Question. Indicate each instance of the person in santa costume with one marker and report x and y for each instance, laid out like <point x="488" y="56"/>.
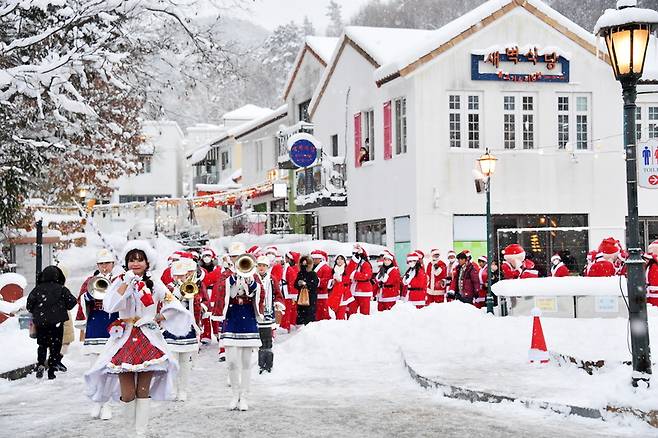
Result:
<point x="213" y="272"/>
<point x="389" y="282"/>
<point x="276" y="263"/>
<point x="359" y="271"/>
<point x="514" y="256"/>
<point x="481" y="298"/>
<point x="604" y="265"/>
<point x="465" y="283"/>
<point x="240" y="308"/>
<point x="186" y="347"/>
<point x="450" y="268"/>
<point x="166" y="277"/>
<point x="289" y="290"/>
<point x="136" y="363"/>
<point x="528" y="269"/>
<point x="325" y="274"/>
<point x="273" y="303"/>
<point x="591" y="255"/>
<point x="340" y="296"/>
<point x="437" y="272"/>
<point x="558" y="268"/>
<point x="93" y="321"/>
<point x="651" y="272"/>
<point x="620" y="262"/>
<point x="415" y="281"/>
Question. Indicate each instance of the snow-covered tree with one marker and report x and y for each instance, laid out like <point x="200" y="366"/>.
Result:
<point x="308" y="27"/>
<point x="335" y="27"/>
<point x="279" y="52"/>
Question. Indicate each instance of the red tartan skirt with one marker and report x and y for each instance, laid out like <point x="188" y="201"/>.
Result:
<point x="137" y="353"/>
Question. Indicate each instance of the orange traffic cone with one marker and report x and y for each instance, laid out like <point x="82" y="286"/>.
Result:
<point x="538" y="352"/>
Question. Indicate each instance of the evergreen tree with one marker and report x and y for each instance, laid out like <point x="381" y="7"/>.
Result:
<point x="307" y="26"/>
<point x="279" y="52"/>
<point x="335" y="27"/>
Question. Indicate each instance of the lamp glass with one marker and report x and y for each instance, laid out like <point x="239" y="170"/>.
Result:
<point x="627" y="49"/>
<point x="487" y="164"/>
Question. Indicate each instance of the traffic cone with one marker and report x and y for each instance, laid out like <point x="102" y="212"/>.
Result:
<point x="538" y="352"/>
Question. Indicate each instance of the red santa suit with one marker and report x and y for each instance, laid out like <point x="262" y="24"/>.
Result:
<point x="482" y="293"/>
<point x="289" y="291"/>
<point x="514" y="255"/>
<point x="558" y="268"/>
<point x="436" y="272"/>
<point x="359" y="271"/>
<point x="415" y="282"/>
<point x="601" y="268"/>
<point x="528" y="270"/>
<point x="651" y="273"/>
<point x="389" y="284"/>
<point x="325" y="274"/>
<point x="340" y="295"/>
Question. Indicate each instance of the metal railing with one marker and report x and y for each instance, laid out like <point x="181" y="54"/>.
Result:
<point x="259" y="223"/>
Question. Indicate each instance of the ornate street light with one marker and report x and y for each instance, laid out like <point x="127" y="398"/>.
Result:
<point x="626" y="31"/>
<point x="487" y="163"/>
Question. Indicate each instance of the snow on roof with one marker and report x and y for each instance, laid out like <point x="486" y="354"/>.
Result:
<point x="617" y="17"/>
<point x="474" y="18"/>
<point x="229" y="183"/>
<point x="265" y="120"/>
<point x="386" y="44"/>
<point x="246" y="112"/>
<point x="199" y="153"/>
<point x="323" y="46"/>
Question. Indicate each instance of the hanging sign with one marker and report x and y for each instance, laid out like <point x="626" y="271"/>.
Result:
<point x="514" y="64"/>
<point x="647" y="163"/>
<point x="303" y="149"/>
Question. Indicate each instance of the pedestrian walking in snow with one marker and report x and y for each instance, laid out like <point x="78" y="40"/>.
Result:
<point x="136" y="363"/>
<point x="436" y="271"/>
<point x="273" y="304"/>
<point x="307" y="285"/>
<point x="389" y="282"/>
<point x="359" y="271"/>
<point x="415" y="281"/>
<point x="465" y="281"/>
<point x="325" y="273"/>
<point x="49" y="303"/>
<point x="341" y="295"/>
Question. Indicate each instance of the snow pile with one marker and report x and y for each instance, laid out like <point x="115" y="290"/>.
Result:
<point x="18" y="349"/>
<point x="562" y="287"/>
<point x="12" y="278"/>
<point x="460" y="345"/>
<point x="11" y="308"/>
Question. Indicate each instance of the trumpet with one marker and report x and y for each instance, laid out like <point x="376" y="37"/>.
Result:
<point x="97" y="287"/>
<point x="189" y="289"/>
<point x="245" y="266"/>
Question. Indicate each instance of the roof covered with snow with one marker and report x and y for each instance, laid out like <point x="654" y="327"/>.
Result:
<point x="322" y="46"/>
<point x="247" y="112"/>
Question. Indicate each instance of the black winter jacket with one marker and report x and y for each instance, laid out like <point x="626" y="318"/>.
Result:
<point x="306" y="314"/>
<point x="50" y="301"/>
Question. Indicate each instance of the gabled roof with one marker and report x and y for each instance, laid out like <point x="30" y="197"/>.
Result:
<point x="246" y="112"/>
<point x="378" y="45"/>
<point x="458" y="30"/>
<point x="320" y="48"/>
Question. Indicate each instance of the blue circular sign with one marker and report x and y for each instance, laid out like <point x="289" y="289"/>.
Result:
<point x="303" y="153"/>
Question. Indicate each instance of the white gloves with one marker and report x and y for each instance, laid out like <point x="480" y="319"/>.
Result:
<point x="129" y="277"/>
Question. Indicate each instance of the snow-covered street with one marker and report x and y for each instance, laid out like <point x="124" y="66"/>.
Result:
<point x="317" y="389"/>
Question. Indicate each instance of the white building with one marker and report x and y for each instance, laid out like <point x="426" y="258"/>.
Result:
<point x="515" y="77"/>
<point x="162" y="159"/>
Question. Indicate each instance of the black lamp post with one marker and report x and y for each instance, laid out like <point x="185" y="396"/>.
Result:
<point x="487" y="163"/>
<point x="627" y="38"/>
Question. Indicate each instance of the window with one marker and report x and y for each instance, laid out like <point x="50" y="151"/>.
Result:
<point x="210" y="166"/>
<point x="145" y="160"/>
<point x="638" y="123"/>
<point x="259" y="155"/>
<point x="335" y="232"/>
<point x="464" y="107"/>
<point x="518" y="121"/>
<point x="653" y="122"/>
<point x="334" y="145"/>
<point x="225" y="161"/>
<point x="401" y="125"/>
<point x="372" y="232"/>
<point x="573" y="121"/>
<point x="303" y="111"/>
<point x="369" y="134"/>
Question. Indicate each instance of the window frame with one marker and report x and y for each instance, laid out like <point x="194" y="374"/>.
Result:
<point x="465" y="113"/>
<point x="400" y="126"/>
<point x="362" y="236"/>
<point x="368" y="132"/>
<point x="574" y="114"/>
<point x="519" y="114"/>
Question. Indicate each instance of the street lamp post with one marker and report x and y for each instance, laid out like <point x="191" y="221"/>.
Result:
<point x="626" y="31"/>
<point x="487" y="164"/>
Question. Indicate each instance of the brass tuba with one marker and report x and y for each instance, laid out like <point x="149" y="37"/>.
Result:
<point x="245" y="265"/>
<point x="189" y="289"/>
<point x="97" y="287"/>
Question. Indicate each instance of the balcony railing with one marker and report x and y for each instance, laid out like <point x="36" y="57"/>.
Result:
<point x="204" y="179"/>
<point x="271" y="223"/>
<point x="282" y="138"/>
<point x="322" y="185"/>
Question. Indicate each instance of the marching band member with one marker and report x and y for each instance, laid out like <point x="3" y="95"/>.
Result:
<point x="289" y="290"/>
<point x="166" y="278"/>
<point x="359" y="271"/>
<point x="340" y="296"/>
<point x="208" y="263"/>
<point x="558" y="268"/>
<point x="415" y="281"/>
<point x="437" y="271"/>
<point x="325" y="274"/>
<point x="192" y="295"/>
<point x="273" y="302"/>
<point x="136" y="363"/>
<point x="389" y="282"/>
<point x="93" y="321"/>
<point x="240" y="307"/>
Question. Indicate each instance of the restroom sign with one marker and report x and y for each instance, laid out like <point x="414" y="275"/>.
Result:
<point x="647" y="163"/>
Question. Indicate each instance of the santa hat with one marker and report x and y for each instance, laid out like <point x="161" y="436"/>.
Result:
<point x="514" y="252"/>
<point x="556" y="257"/>
<point x="179" y="268"/>
<point x="421" y="254"/>
<point x="208" y="252"/>
<point x="254" y="250"/>
<point x="236" y="249"/>
<point x="452" y="254"/>
<point x="482" y="259"/>
<point x="528" y="264"/>
<point x="468" y="254"/>
<point x="194" y="254"/>
<point x="413" y="257"/>
<point x="623" y="255"/>
<point x="319" y="254"/>
<point x="591" y="255"/>
<point x="435" y="252"/>
<point x="263" y="260"/>
<point x="272" y="250"/>
<point x="610" y="247"/>
<point x="294" y="256"/>
<point x="144" y="246"/>
<point x="104" y="256"/>
<point x="653" y="247"/>
<point x="358" y="248"/>
<point x="387" y="255"/>
<point x="190" y="264"/>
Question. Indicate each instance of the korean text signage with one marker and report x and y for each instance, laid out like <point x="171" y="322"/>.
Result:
<point x="303" y="149"/>
<point x="514" y="64"/>
<point x="647" y="163"/>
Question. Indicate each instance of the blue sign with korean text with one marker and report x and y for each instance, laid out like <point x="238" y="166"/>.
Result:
<point x="514" y="65"/>
<point x="303" y="153"/>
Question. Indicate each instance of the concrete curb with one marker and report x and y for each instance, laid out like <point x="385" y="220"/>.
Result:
<point x="18" y="373"/>
<point x="472" y="396"/>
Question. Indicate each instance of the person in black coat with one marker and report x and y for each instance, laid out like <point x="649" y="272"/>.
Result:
<point x="309" y="279"/>
<point x="49" y="303"/>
